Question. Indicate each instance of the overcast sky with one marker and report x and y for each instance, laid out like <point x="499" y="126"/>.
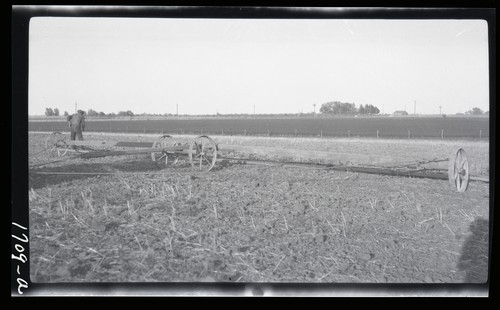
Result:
<point x="207" y="66"/>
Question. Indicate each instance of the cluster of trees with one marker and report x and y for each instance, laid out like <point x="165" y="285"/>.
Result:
<point x="52" y="112"/>
<point x="476" y="111"/>
<point x="346" y="108"/>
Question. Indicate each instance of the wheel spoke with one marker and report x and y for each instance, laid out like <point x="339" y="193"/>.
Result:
<point x="55" y="143"/>
<point x="458" y="170"/>
<point x="208" y="161"/>
<point x="162" y="142"/>
<point x="462" y="164"/>
<point x="202" y="153"/>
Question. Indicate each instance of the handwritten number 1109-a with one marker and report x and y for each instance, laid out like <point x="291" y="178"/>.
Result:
<point x="20" y="257"/>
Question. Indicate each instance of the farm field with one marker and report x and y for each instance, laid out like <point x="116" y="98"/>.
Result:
<point x="127" y="218"/>
<point x="388" y="127"/>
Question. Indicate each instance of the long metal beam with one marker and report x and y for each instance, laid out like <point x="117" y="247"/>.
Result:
<point x="95" y="143"/>
<point x="424" y="173"/>
<point x="176" y="149"/>
<point x="332" y="157"/>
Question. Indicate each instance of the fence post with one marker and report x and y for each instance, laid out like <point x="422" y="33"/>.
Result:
<point x="409" y="134"/>
<point x="377" y="134"/>
<point x="245" y="132"/>
<point x="295" y="132"/>
<point x="480" y="134"/>
<point x="222" y="131"/>
<point x="321" y="133"/>
<point x="442" y="133"/>
<point x="348" y="133"/>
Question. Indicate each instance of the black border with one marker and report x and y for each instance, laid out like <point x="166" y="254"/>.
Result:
<point x="19" y="133"/>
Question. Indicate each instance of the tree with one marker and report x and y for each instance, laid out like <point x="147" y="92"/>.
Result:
<point x="370" y="109"/>
<point x="125" y="113"/>
<point x="56" y="112"/>
<point x="66" y="113"/>
<point x="474" y="111"/>
<point x="49" y="112"/>
<point x="361" y="110"/>
<point x="326" y="108"/>
<point x="346" y="108"/>
<point x="337" y="107"/>
<point x="91" y="112"/>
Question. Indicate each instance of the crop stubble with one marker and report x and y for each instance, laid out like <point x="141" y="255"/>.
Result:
<point x="253" y="223"/>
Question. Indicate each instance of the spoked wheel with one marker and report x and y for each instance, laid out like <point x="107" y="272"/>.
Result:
<point x="203" y="153"/>
<point x="168" y="157"/>
<point x="458" y="170"/>
<point x="56" y="144"/>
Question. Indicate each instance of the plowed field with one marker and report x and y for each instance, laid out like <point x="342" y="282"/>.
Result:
<point x="127" y="218"/>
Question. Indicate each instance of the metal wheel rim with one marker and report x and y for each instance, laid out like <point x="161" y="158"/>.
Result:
<point x="163" y="141"/>
<point x="56" y="144"/>
<point x="203" y="153"/>
<point x="458" y="171"/>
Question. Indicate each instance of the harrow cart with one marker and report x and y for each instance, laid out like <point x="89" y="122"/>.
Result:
<point x="202" y="151"/>
<point x="203" y="154"/>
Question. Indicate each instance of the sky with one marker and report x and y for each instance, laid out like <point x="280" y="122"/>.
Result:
<point x="226" y="66"/>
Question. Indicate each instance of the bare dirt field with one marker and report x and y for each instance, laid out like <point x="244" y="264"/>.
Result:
<point x="127" y="218"/>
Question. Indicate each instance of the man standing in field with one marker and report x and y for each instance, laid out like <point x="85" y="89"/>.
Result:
<point x="76" y="123"/>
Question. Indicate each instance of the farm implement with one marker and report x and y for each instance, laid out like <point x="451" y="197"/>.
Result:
<point x="203" y="153"/>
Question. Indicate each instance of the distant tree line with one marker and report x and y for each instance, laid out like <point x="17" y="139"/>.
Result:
<point x="94" y="113"/>
<point x="346" y="108"/>
<point x="328" y="108"/>
<point x="90" y="112"/>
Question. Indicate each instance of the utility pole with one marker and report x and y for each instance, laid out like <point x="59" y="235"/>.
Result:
<point x="314" y="105"/>
<point x="415" y="107"/>
<point x="75" y="107"/>
<point x="254" y="109"/>
<point x="177" y="109"/>
<point x="439" y="109"/>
